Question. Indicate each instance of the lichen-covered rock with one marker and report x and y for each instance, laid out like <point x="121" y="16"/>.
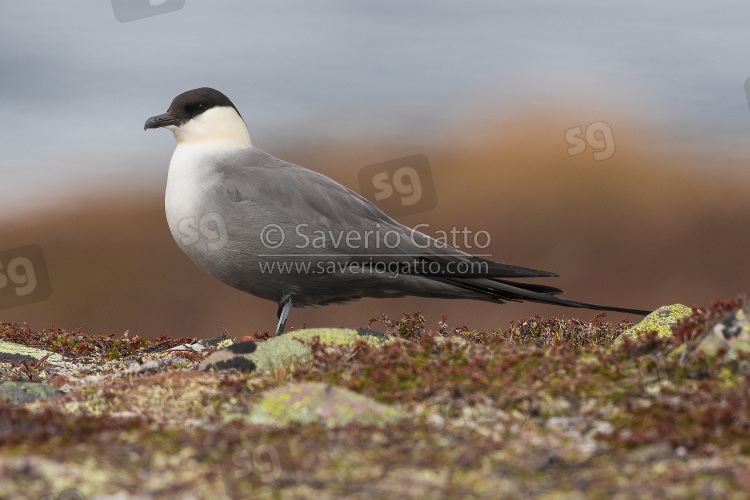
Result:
<point x="660" y="320"/>
<point x="19" y="391"/>
<point x="456" y="340"/>
<point x="9" y="350"/>
<point x="317" y="402"/>
<point x="232" y="357"/>
<point x="732" y="334"/>
<point x="285" y="350"/>
<point x="220" y="341"/>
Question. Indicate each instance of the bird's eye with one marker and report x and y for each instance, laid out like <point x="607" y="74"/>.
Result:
<point x="195" y="107"/>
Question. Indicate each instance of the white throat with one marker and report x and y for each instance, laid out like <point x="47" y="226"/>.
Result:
<point x="220" y="126"/>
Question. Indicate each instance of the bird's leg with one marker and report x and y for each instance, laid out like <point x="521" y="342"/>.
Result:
<point x="282" y="312"/>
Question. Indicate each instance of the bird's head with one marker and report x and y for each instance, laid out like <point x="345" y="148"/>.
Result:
<point x="203" y="115"/>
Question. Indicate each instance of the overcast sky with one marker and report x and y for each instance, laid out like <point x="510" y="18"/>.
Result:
<point x="76" y="85"/>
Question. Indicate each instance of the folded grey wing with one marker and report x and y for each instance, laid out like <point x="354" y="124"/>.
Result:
<point x="306" y="204"/>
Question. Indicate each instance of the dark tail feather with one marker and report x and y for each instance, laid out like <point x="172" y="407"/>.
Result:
<point x="503" y="291"/>
<point x="576" y="303"/>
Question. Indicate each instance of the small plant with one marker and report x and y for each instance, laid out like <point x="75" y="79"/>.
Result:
<point x="410" y="327"/>
<point x="29" y="368"/>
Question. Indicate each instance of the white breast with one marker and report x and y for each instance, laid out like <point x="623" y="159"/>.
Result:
<point x="202" y="142"/>
<point x="192" y="174"/>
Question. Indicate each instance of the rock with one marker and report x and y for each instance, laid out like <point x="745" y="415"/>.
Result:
<point x="455" y="340"/>
<point x="194" y="347"/>
<point x="285" y="350"/>
<point x="732" y="334"/>
<point x="179" y="362"/>
<point x="317" y="402"/>
<point x="242" y="347"/>
<point x="70" y="494"/>
<point x="231" y="358"/>
<point x="225" y="360"/>
<point x="19" y="391"/>
<point x="215" y="341"/>
<point x="13" y="357"/>
<point x="148" y="366"/>
<point x="733" y="328"/>
<point x="11" y="348"/>
<point x="367" y="331"/>
<point x="202" y="344"/>
<point x="660" y="320"/>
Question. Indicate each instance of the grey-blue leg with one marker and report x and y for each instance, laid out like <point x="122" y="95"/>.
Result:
<point x="282" y="312"/>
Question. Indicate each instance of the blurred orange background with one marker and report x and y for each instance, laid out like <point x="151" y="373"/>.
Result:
<point x="652" y="225"/>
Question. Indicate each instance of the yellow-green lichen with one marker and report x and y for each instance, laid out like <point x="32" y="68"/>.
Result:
<point x="285" y="350"/>
<point x="660" y="320"/>
<point x="316" y="402"/>
<point x="224" y="343"/>
<point x="13" y="348"/>
<point x="21" y="391"/>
